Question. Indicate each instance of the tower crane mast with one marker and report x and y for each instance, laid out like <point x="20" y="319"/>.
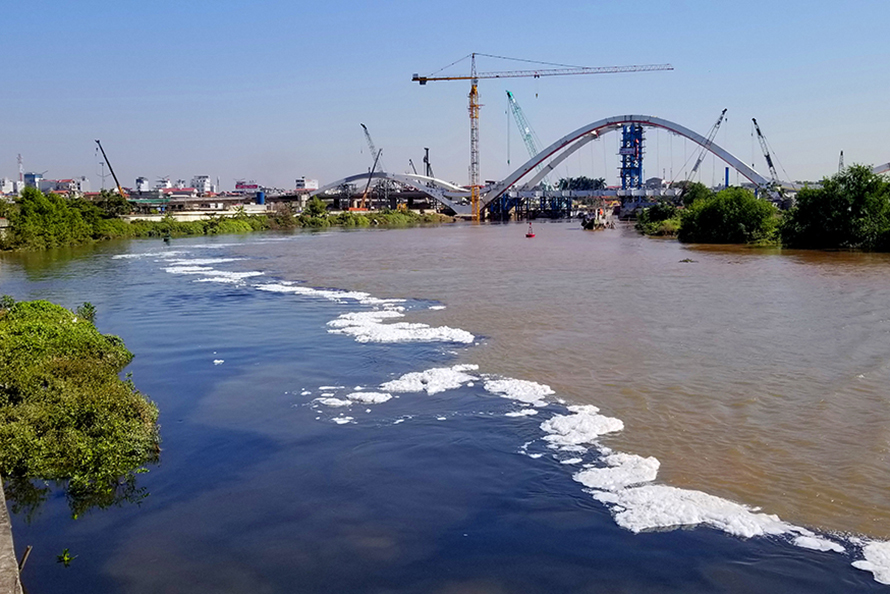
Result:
<point x="474" y="106"/>
<point x="710" y="140"/>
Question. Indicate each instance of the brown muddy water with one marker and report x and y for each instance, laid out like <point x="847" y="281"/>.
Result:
<point x="758" y="375"/>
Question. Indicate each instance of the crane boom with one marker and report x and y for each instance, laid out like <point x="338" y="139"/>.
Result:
<point x="117" y="183"/>
<point x="547" y="72"/>
<point x="371" y="146"/>
<point x="474" y="77"/>
<point x="710" y="140"/>
<point x="525" y="130"/>
<point x="769" y="160"/>
<point x="370" y="175"/>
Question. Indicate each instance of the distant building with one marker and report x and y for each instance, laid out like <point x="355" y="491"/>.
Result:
<point x="142" y="185"/>
<point x="179" y="193"/>
<point x="8" y="186"/>
<point x="247" y="187"/>
<point x="163" y="183"/>
<point x="75" y="186"/>
<point x="307" y="184"/>
<point x="32" y="180"/>
<point x="203" y="185"/>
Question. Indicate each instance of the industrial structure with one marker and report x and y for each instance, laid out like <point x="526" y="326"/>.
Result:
<point x="474" y="77"/>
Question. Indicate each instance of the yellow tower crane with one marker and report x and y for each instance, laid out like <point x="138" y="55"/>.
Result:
<point x="474" y="107"/>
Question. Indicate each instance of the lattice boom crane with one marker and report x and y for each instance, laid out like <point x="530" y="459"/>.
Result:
<point x="711" y="136"/>
<point x="474" y="77"/>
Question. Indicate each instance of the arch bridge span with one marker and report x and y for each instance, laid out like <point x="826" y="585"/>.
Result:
<point x="442" y="191"/>
<point x="573" y="141"/>
<point x="455" y="197"/>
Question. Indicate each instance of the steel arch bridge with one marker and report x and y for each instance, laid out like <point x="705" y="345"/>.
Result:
<point x="455" y="197"/>
<point x="442" y="191"/>
<point x="573" y="141"/>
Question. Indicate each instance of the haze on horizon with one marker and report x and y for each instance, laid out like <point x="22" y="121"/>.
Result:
<point x="273" y="90"/>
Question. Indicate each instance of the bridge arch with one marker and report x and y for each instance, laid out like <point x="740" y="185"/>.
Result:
<point x="440" y="190"/>
<point x="575" y="140"/>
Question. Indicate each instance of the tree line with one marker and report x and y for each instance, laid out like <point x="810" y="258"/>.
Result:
<point x="41" y="221"/>
<point x="851" y="210"/>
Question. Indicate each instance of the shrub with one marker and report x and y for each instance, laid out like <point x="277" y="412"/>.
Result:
<point x="850" y="210"/>
<point x="65" y="415"/>
<point x="733" y="215"/>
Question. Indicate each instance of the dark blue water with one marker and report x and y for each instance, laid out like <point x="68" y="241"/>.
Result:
<point x="259" y="490"/>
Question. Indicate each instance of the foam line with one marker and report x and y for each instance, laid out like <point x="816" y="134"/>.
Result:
<point x="521" y="390"/>
<point x="432" y="381"/>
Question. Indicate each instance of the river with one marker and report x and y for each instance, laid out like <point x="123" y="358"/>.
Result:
<point x="732" y="385"/>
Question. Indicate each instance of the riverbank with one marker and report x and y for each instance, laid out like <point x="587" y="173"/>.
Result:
<point x="40" y="221"/>
<point x="9" y="567"/>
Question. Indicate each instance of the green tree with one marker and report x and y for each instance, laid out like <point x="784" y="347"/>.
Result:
<point x="581" y="183"/>
<point x="44" y="221"/>
<point x="113" y="204"/>
<point x="316" y="207"/>
<point x="850" y="210"/>
<point x="692" y="191"/>
<point x="661" y="219"/>
<point x="733" y="215"/>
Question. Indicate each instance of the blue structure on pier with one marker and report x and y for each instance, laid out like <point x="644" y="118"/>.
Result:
<point x="631" y="153"/>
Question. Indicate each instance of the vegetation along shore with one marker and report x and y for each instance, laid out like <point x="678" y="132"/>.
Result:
<point x="41" y="221"/>
<point x="851" y="210"/>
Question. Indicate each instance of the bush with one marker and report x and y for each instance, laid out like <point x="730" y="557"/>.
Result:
<point x="65" y="415"/>
<point x="733" y="215"/>
<point x="662" y="219"/>
<point x="850" y="210"/>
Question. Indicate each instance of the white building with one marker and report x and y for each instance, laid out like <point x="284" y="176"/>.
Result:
<point x="203" y="185"/>
<point x="79" y="185"/>
<point x="142" y="185"/>
<point x="163" y="183"/>
<point x="307" y="184"/>
<point x="8" y="186"/>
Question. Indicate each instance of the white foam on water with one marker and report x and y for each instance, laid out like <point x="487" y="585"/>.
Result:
<point x="440" y="418"/>
<point x="202" y="261"/>
<point x="437" y="307"/>
<point x="332" y="402"/>
<point x="660" y="506"/>
<point x="211" y="246"/>
<point x="305" y="393"/>
<point x="571" y="461"/>
<point x="369" y="397"/>
<point x="369" y="326"/>
<point x="522" y="390"/>
<point x="432" y="381"/>
<point x="525" y="412"/>
<point x="330" y="294"/>
<point x="218" y="361"/>
<point x="623" y="470"/>
<point x="220" y="276"/>
<point x="877" y="561"/>
<point x="331" y="387"/>
<point x="584" y="426"/>
<point x="342" y="420"/>
<point x="170" y="254"/>
<point x="189" y="269"/>
<point x="818" y="544"/>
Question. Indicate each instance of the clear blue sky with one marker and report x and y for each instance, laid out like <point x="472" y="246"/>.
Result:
<point x="273" y="90"/>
